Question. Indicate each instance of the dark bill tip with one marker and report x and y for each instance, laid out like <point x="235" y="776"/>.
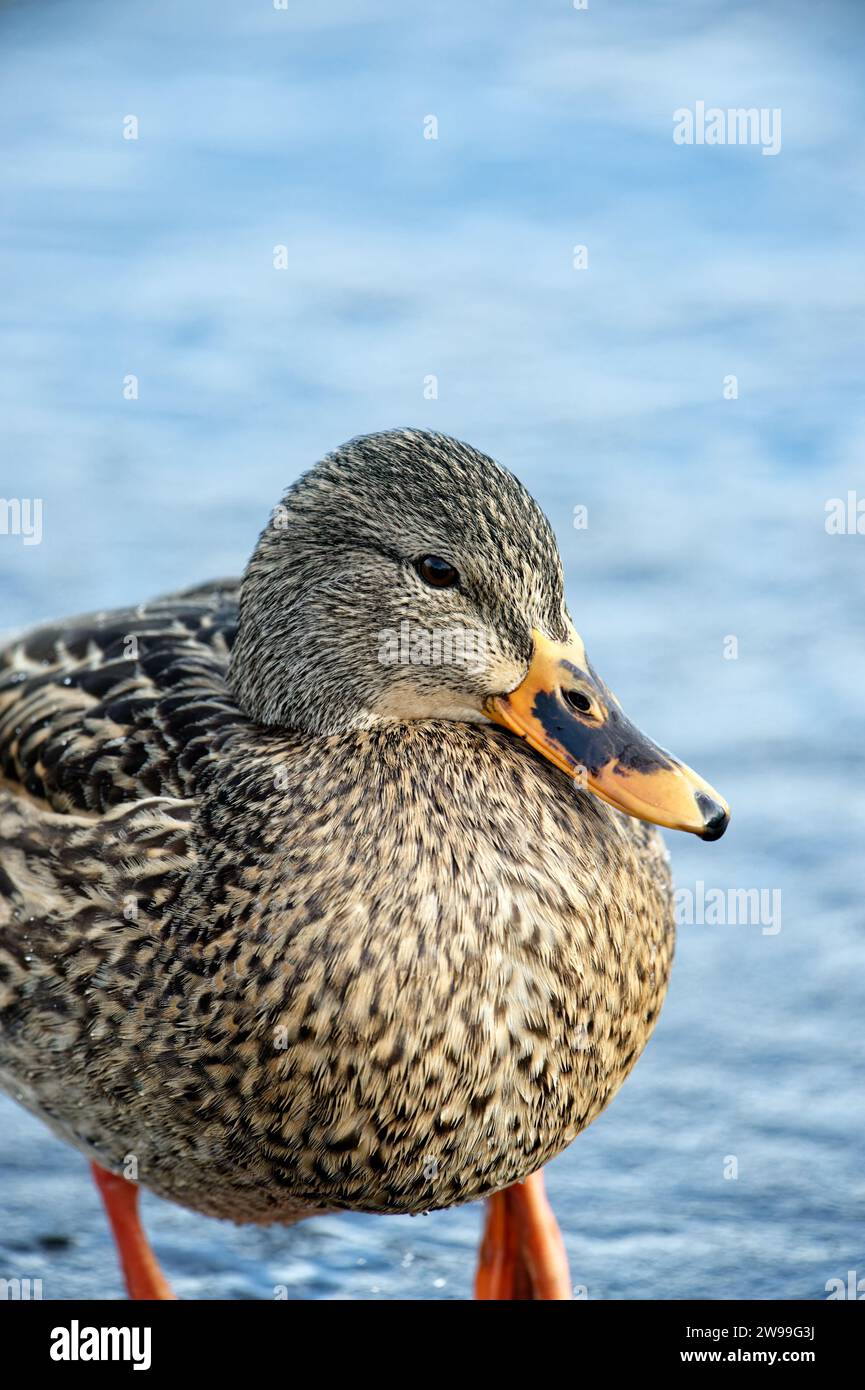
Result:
<point x="716" y="817"/>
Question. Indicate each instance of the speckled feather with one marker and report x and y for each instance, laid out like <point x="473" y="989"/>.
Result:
<point x="287" y="950"/>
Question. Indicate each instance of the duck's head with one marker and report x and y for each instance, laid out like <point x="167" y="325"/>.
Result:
<point x="409" y="577"/>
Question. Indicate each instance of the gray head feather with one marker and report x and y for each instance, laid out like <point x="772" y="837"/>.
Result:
<point x="337" y="628"/>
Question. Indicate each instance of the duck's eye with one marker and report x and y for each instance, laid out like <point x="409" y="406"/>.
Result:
<point x="438" y="573"/>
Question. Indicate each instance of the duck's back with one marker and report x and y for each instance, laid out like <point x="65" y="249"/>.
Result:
<point x="113" y="707"/>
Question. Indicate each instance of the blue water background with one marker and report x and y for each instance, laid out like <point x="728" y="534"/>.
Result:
<point x="408" y="258"/>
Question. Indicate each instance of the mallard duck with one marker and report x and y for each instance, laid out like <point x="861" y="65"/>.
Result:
<point x="337" y="887"/>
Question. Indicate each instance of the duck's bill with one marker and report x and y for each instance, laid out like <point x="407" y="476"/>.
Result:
<point x="564" y="710"/>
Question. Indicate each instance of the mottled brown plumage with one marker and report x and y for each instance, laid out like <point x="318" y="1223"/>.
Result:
<point x="296" y="928"/>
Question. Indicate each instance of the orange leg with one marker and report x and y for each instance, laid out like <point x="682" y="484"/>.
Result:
<point x="144" y="1278"/>
<point x="522" y="1252"/>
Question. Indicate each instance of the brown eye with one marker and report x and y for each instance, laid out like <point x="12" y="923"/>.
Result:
<point x="438" y="573"/>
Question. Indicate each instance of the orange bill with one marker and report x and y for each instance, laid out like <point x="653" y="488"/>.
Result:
<point x="564" y="710"/>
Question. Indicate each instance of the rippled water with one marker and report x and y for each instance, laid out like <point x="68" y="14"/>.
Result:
<point x="409" y="258"/>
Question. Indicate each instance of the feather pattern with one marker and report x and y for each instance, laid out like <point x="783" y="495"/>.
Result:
<point x="388" y="967"/>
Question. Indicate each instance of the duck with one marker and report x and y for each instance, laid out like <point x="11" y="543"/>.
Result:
<point x="338" y="887"/>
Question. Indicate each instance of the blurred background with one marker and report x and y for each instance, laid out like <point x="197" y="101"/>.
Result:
<point x="282" y="259"/>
